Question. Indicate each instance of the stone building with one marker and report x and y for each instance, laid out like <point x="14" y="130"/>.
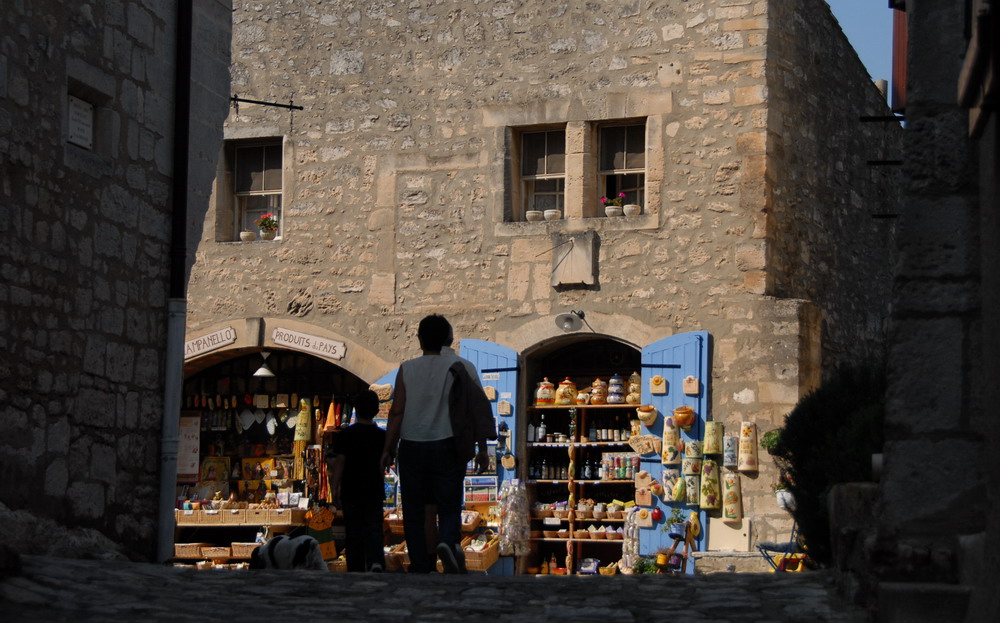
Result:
<point x="88" y="193"/>
<point x="429" y="130"/>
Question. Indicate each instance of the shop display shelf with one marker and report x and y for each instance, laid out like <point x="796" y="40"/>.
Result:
<point x="548" y="481"/>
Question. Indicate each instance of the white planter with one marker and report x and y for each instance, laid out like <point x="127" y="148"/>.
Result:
<point x="248" y="236"/>
<point x="785" y="499"/>
<point x="613" y="210"/>
<point x="553" y="215"/>
<point x="632" y="209"/>
<point x="268" y="234"/>
<point x="533" y="216"/>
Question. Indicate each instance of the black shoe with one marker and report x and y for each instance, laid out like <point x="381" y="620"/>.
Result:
<point x="452" y="558"/>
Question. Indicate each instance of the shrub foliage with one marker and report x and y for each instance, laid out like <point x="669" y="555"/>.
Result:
<point x="828" y="438"/>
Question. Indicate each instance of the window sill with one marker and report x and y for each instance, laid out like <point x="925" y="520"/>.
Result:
<point x="597" y="223"/>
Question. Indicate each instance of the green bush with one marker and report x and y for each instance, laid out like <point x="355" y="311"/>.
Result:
<point x="829" y="438"/>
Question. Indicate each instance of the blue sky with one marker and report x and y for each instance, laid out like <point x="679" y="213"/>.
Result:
<point x="868" y="26"/>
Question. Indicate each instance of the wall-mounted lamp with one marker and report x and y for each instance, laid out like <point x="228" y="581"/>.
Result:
<point x="570" y="321"/>
<point x="263" y="370"/>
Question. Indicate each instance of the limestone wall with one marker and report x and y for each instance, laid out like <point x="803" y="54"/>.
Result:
<point x="822" y="191"/>
<point x="398" y="200"/>
<point x="85" y="256"/>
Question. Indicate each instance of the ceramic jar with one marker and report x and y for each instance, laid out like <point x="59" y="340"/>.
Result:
<point x="616" y="390"/>
<point x="566" y="394"/>
<point x="598" y="392"/>
<point x="583" y="396"/>
<point x="546" y="393"/>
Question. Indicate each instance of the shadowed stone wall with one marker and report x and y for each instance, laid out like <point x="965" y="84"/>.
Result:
<point x="85" y="257"/>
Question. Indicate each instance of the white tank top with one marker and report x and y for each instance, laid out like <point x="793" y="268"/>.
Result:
<point x="428" y="386"/>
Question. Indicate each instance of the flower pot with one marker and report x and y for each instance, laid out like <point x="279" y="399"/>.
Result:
<point x="533" y="216"/>
<point x="268" y="234"/>
<point x="248" y="236"/>
<point x="785" y="499"/>
<point x="613" y="210"/>
<point x="552" y="215"/>
<point x="677" y="530"/>
<point x="632" y="209"/>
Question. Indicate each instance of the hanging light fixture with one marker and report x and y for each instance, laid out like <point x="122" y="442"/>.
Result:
<point x="263" y="371"/>
<point x="570" y="321"/>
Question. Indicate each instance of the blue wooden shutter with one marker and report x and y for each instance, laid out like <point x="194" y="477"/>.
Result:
<point x="674" y="358"/>
<point x="498" y="366"/>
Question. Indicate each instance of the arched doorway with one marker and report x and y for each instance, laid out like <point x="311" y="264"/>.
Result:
<point x="240" y="437"/>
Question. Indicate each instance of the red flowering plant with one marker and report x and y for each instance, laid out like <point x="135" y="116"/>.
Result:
<point x="267" y="222"/>
<point x="616" y="201"/>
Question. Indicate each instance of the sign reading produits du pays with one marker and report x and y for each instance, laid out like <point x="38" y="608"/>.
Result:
<point x="210" y="342"/>
<point x="309" y="343"/>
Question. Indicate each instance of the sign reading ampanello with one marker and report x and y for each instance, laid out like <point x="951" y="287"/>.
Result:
<point x="210" y="342"/>
<point x="309" y="343"/>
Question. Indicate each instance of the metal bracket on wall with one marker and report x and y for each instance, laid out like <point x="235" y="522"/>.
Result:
<point x="240" y="100"/>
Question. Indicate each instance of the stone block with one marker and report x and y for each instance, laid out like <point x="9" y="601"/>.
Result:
<point x="918" y="602"/>
<point x="750" y="96"/>
<point x="950" y="491"/>
<point x="928" y="393"/>
<point x="755" y="23"/>
<point x="778" y="393"/>
<point x="86" y="499"/>
<point x="383" y="289"/>
<point x="56" y="478"/>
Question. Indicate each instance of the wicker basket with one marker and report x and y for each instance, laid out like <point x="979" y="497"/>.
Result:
<point x="543" y="513"/>
<point x="216" y="553"/>
<point x="187" y="518"/>
<point x="338" y="565"/>
<point x="615" y="536"/>
<point x="581" y="534"/>
<point x="561" y="514"/>
<point x="598" y="534"/>
<point x="243" y="550"/>
<point x="585" y="514"/>
<point x="189" y="550"/>
<point x="471" y="520"/>
<point x="395" y="523"/>
<point x="550" y="534"/>
<point x="616" y="514"/>
<point x="485" y="558"/>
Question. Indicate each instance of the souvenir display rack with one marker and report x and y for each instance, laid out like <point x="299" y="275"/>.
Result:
<point x="587" y="434"/>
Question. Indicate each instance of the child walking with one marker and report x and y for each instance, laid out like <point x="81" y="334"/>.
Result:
<point x="357" y="481"/>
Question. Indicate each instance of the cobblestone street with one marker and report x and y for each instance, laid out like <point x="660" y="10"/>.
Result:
<point x="55" y="589"/>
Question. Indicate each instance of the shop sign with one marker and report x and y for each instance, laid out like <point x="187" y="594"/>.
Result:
<point x="210" y="342"/>
<point x="309" y="343"/>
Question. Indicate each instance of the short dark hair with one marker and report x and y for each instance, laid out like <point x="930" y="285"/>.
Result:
<point x="434" y="332"/>
<point x="367" y="407"/>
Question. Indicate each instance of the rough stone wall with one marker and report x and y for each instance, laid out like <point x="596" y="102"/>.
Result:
<point x="85" y="256"/>
<point x="942" y="418"/>
<point x="821" y="190"/>
<point x="397" y="201"/>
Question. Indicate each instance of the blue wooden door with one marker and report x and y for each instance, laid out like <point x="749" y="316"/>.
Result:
<point x="674" y="358"/>
<point x="498" y="366"/>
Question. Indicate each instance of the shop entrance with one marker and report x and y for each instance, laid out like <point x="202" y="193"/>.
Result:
<point x="577" y="463"/>
<point x="243" y="445"/>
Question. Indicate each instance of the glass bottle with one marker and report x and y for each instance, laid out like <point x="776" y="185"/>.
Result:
<point x="541" y="429"/>
<point x="544" y="472"/>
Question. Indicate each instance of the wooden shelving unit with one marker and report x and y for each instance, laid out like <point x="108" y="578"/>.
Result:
<point x="590" y="432"/>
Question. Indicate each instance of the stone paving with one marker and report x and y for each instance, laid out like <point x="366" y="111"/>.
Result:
<point x="57" y="589"/>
